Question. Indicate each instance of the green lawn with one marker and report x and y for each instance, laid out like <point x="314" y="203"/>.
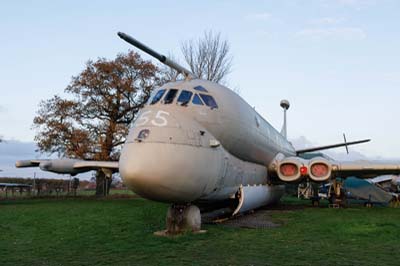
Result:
<point x="80" y="192"/>
<point x="120" y="232"/>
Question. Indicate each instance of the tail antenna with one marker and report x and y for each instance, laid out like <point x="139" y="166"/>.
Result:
<point x="163" y="59"/>
<point x="285" y="105"/>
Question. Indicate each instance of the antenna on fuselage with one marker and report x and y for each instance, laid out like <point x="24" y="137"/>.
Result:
<point x="285" y="105"/>
<point x="163" y="59"/>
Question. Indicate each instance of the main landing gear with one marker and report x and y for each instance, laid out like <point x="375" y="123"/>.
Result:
<point x="181" y="219"/>
<point x="337" y="197"/>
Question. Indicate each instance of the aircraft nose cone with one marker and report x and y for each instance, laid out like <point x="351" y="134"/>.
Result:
<point x="169" y="172"/>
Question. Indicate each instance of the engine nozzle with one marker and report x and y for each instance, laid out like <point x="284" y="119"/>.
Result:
<point x="292" y="169"/>
<point x="320" y="169"/>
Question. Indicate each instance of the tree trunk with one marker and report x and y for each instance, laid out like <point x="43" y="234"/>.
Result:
<point x="100" y="184"/>
<point x="109" y="181"/>
<point x="103" y="184"/>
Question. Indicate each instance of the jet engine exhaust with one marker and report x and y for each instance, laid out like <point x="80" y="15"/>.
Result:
<point x="320" y="170"/>
<point x="294" y="169"/>
<point x="289" y="169"/>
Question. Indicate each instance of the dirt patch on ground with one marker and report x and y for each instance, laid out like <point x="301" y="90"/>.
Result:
<point x="258" y="219"/>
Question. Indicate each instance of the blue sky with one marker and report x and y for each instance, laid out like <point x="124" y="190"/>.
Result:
<point x="336" y="61"/>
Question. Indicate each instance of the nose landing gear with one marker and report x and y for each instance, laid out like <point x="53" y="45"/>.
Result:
<point x="182" y="219"/>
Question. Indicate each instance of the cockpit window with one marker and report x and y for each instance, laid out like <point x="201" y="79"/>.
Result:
<point x="209" y="101"/>
<point x="184" y="97"/>
<point x="169" y="98"/>
<point x="200" y="88"/>
<point x="197" y="100"/>
<point x="158" y="96"/>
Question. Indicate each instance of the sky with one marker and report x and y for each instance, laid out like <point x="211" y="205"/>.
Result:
<point x="336" y="61"/>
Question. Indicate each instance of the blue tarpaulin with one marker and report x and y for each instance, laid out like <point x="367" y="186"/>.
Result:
<point x="361" y="189"/>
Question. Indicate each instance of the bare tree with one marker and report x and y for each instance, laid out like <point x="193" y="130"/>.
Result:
<point x="208" y="57"/>
<point x="92" y="123"/>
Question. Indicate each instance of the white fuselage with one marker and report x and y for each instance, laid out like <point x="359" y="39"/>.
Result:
<point x="183" y="152"/>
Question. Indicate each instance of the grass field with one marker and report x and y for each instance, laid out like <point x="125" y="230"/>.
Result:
<point x="120" y="232"/>
<point x="46" y="194"/>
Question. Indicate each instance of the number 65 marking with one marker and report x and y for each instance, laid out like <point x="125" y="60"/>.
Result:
<point x="159" y="119"/>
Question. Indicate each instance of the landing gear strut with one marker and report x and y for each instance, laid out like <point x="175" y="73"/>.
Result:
<point x="181" y="219"/>
<point x="337" y="195"/>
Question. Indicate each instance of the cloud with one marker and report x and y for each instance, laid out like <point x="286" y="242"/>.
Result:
<point x="264" y="16"/>
<point x="327" y="21"/>
<point x="301" y="142"/>
<point x="13" y="150"/>
<point x="356" y="4"/>
<point x="337" y="33"/>
<point x="391" y="77"/>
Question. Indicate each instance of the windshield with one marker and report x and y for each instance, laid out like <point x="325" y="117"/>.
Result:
<point x="169" y="98"/>
<point x="158" y="96"/>
<point x="197" y="100"/>
<point x="200" y="88"/>
<point x="184" y="97"/>
<point x="209" y="100"/>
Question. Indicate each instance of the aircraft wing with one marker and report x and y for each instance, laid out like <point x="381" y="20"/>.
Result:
<point x="70" y="166"/>
<point x="93" y="165"/>
<point x="29" y="163"/>
<point x="365" y="169"/>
